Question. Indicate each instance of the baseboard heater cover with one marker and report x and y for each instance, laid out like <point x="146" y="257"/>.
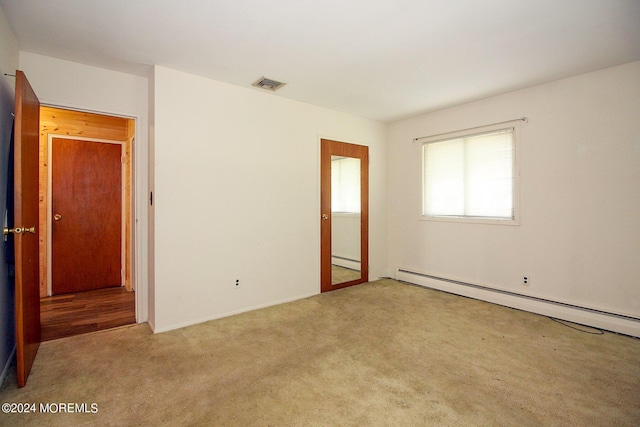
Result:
<point x="617" y="322"/>
<point x="352" y="264"/>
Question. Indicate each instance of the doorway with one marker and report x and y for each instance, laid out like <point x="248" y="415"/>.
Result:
<point x="85" y="249"/>
<point x="344" y="192"/>
<point x="26" y="222"/>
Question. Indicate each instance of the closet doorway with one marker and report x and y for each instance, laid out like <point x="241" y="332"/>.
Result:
<point x="85" y="222"/>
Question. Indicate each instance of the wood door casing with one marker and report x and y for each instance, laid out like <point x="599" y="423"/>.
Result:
<point x="330" y="148"/>
<point x="81" y="124"/>
<point x="27" y="295"/>
<point x="86" y="182"/>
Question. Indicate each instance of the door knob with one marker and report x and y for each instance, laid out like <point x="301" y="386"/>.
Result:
<point x="19" y="230"/>
<point x="325" y="216"/>
<point x="57" y="217"/>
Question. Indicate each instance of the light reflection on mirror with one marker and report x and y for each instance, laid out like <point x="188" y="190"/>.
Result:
<point x="345" y="219"/>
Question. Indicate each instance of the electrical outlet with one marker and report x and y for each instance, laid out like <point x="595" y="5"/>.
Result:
<point x="526" y="280"/>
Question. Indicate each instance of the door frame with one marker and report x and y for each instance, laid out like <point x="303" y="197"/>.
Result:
<point x="328" y="148"/>
<point x="123" y="252"/>
<point x="140" y="185"/>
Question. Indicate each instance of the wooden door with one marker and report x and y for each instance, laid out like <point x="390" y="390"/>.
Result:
<point x="86" y="203"/>
<point x="26" y="235"/>
<point x="330" y="151"/>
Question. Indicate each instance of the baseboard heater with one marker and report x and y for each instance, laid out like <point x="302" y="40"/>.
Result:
<point x="617" y="322"/>
<point x="349" y="263"/>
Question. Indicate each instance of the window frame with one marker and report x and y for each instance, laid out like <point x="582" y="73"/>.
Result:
<point x="515" y="125"/>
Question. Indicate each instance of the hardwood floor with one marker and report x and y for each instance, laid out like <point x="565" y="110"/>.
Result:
<point x="82" y="312"/>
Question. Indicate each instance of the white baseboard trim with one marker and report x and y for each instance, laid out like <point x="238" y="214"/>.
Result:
<point x="227" y="314"/>
<point x="7" y="365"/>
<point x="152" y="326"/>
<point x="621" y="323"/>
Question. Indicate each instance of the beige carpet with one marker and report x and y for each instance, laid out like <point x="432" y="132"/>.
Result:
<point x="342" y="274"/>
<point x="378" y="354"/>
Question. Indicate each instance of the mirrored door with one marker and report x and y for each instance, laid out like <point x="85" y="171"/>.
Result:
<point x="344" y="214"/>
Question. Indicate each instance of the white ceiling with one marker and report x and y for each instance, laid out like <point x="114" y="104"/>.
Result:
<point x="379" y="59"/>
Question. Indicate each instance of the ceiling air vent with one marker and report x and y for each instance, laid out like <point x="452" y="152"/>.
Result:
<point x="268" y="84"/>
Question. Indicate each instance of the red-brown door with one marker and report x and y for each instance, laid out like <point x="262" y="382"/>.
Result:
<point x="86" y="202"/>
<point x="26" y="234"/>
<point x="329" y="150"/>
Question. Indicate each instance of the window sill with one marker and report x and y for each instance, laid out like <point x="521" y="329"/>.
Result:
<point x="470" y="220"/>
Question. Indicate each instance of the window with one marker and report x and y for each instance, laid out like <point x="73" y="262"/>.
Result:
<point x="345" y="184"/>
<point x="470" y="176"/>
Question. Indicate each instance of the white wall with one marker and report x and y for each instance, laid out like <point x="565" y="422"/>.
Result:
<point x="8" y="64"/>
<point x="579" y="234"/>
<point x="237" y="196"/>
<point x="151" y="206"/>
<point x="71" y="85"/>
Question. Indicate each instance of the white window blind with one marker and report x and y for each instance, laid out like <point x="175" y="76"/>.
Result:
<point x="345" y="185"/>
<point x="470" y="176"/>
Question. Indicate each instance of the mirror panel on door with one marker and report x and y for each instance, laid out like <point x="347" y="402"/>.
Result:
<point x="345" y="219"/>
